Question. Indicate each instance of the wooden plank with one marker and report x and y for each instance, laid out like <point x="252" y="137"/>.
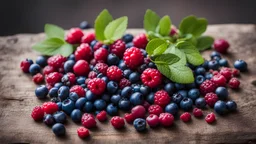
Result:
<point x="17" y="100"/>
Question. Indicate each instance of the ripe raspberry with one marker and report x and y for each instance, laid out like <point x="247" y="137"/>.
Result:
<point x="114" y="73"/>
<point x="207" y="86"/>
<point x="83" y="132"/>
<point x="211" y="99"/>
<point x="161" y="98"/>
<point x="210" y="118"/>
<point x="235" y="72"/>
<point x="219" y="80"/>
<point x="226" y="72"/>
<point x="166" y="119"/>
<point x="117" y="122"/>
<point x="24" y="66"/>
<point x="50" y="107"/>
<point x="83" y="52"/>
<point x="97" y="46"/>
<point x="221" y="45"/>
<point x="101" y="68"/>
<point x="140" y="41"/>
<point x="81" y="68"/>
<point x="138" y="111"/>
<point x="151" y="77"/>
<point x="197" y="112"/>
<point x="155" y="109"/>
<point x="101" y="54"/>
<point x="92" y="75"/>
<point x="185" y="117"/>
<point x="78" y="90"/>
<point x="124" y="83"/>
<point x="74" y="36"/>
<point x="56" y="61"/>
<point x="88" y="38"/>
<point x="93" y="62"/>
<point x="129" y="117"/>
<point x="102" y="116"/>
<point x="38" y="78"/>
<point x="37" y="113"/>
<point x="234" y="83"/>
<point x="133" y="57"/>
<point x="153" y="120"/>
<point x="68" y="79"/>
<point x="88" y="120"/>
<point x="53" y="78"/>
<point x="97" y="86"/>
<point x="146" y="105"/>
<point x="48" y="69"/>
<point x="118" y="48"/>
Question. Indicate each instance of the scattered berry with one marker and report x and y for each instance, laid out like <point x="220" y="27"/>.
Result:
<point x="83" y="132"/>
<point x="78" y="90"/>
<point x="117" y="122"/>
<point x="211" y="99"/>
<point x="140" y="124"/>
<point x="153" y="120"/>
<point x="219" y="80"/>
<point x="88" y="38"/>
<point x="166" y="119"/>
<point x="38" y="78"/>
<point x="234" y="83"/>
<point x="37" y="113"/>
<point x="59" y="129"/>
<point x="102" y="116"/>
<point x="197" y="112"/>
<point x="221" y="45"/>
<point x="100" y="55"/>
<point x="138" y="111"/>
<point x="185" y="117"/>
<point x="240" y="65"/>
<point x="161" y="98"/>
<point x="88" y="120"/>
<point x="53" y="78"/>
<point x="155" y="109"/>
<point x="50" y="107"/>
<point x="210" y="118"/>
<point x="151" y="77"/>
<point x="129" y="117"/>
<point x="25" y="64"/>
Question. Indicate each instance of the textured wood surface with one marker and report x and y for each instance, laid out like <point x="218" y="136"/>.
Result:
<point x="17" y="100"/>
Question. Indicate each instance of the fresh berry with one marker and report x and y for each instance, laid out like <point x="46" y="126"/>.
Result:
<point x="166" y="119"/>
<point x="129" y="117"/>
<point x="112" y="110"/>
<point x="223" y="62"/>
<point x="134" y="77"/>
<point x="97" y="45"/>
<point x="136" y="98"/>
<point x="38" y="78"/>
<point x="219" y="80"/>
<point x="186" y="104"/>
<point x="78" y="90"/>
<point x="213" y="64"/>
<point x="231" y="105"/>
<point x="97" y="86"/>
<point x="140" y="41"/>
<point x="124" y="83"/>
<point x="112" y="87"/>
<point x="151" y="77"/>
<point x="155" y="109"/>
<point x="138" y="111"/>
<point x="211" y="99"/>
<point x="100" y="55"/>
<point x="185" y="117"/>
<point x="210" y="118"/>
<point x="124" y="104"/>
<point x="59" y="129"/>
<point x="114" y="73"/>
<point x="102" y="116"/>
<point x="133" y="57"/>
<point x="63" y="92"/>
<point x="92" y="75"/>
<point x="172" y="108"/>
<point x="153" y="120"/>
<point x="68" y="79"/>
<point x="50" y="107"/>
<point x="56" y="61"/>
<point x="81" y="68"/>
<point x="84" y="25"/>
<point x="60" y="117"/>
<point x="101" y="68"/>
<point x="34" y="69"/>
<point x="113" y="59"/>
<point x="88" y="120"/>
<point x="235" y="72"/>
<point x="83" y="52"/>
<point x="48" y="69"/>
<point x="117" y="122"/>
<point x="197" y="112"/>
<point x="200" y="79"/>
<point x="127" y="38"/>
<point x="76" y="115"/>
<point x="41" y="60"/>
<point x="221" y="45"/>
<point x="37" y="113"/>
<point x="73" y="96"/>
<point x="220" y="107"/>
<point x="49" y="120"/>
<point x="88" y="38"/>
<point x="100" y="104"/>
<point x="53" y="78"/>
<point x="234" y="83"/>
<point x="83" y="132"/>
<point x="200" y="102"/>
<point x="41" y="92"/>
<point x="207" y="86"/>
<point x="161" y="98"/>
<point x="194" y="94"/>
<point x="222" y="93"/>
<point x="117" y="48"/>
<point x="177" y="97"/>
<point x="25" y="64"/>
<point x="240" y="65"/>
<point x="200" y="70"/>
<point x="140" y="124"/>
<point x="68" y="106"/>
<point x="68" y="66"/>
<point x="226" y="72"/>
<point x="74" y="36"/>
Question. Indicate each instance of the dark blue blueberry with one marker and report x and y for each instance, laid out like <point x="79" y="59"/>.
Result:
<point x="112" y="87"/>
<point x="179" y="86"/>
<point x="115" y="99"/>
<point x="124" y="104"/>
<point x="59" y="129"/>
<point x="112" y="110"/>
<point x="100" y="75"/>
<point x="72" y="57"/>
<point x="76" y="115"/>
<point x="73" y="96"/>
<point x="106" y="98"/>
<point x="136" y="88"/>
<point x="141" y="68"/>
<point x="41" y="91"/>
<point x="136" y="98"/>
<point x="53" y="92"/>
<point x="65" y="80"/>
<point x="208" y="76"/>
<point x="214" y="54"/>
<point x="60" y="117"/>
<point x="126" y="92"/>
<point x="231" y="105"/>
<point x="144" y="52"/>
<point x="30" y="61"/>
<point x="140" y="124"/>
<point x="80" y="80"/>
<point x="127" y="38"/>
<point x="105" y="46"/>
<point x="177" y="97"/>
<point x="172" y="108"/>
<point x="112" y="59"/>
<point x="200" y="102"/>
<point x="55" y="99"/>
<point x="97" y="112"/>
<point x="68" y="66"/>
<point x="214" y="65"/>
<point x="222" y="93"/>
<point x="122" y="65"/>
<point x="80" y="103"/>
<point x="63" y="92"/>
<point x="42" y="61"/>
<point x="240" y="65"/>
<point x="223" y="62"/>
<point x="127" y="73"/>
<point x="90" y="96"/>
<point x="145" y="90"/>
<point x="59" y="106"/>
<point x="216" y="58"/>
<point x="200" y="79"/>
<point x="186" y="104"/>
<point x="151" y="65"/>
<point x="220" y="107"/>
<point x="49" y="120"/>
<point x="105" y="79"/>
<point x="194" y="94"/>
<point x="84" y="25"/>
<point x="205" y="64"/>
<point x="68" y="106"/>
<point x="88" y="107"/>
<point x="169" y="88"/>
<point x="191" y="85"/>
<point x="184" y="93"/>
<point x="134" y="77"/>
<point x="129" y="45"/>
<point x="34" y="69"/>
<point x="58" y="85"/>
<point x="91" y="67"/>
<point x="150" y="98"/>
<point x="93" y="43"/>
<point x="200" y="70"/>
<point x="100" y="104"/>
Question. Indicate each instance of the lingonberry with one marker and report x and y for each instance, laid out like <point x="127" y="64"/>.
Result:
<point x="210" y="118"/>
<point x="83" y="132"/>
<point x="37" y="113"/>
<point x="166" y="119"/>
<point x="234" y="83"/>
<point x="102" y="116"/>
<point x="117" y="122"/>
<point x="153" y="120"/>
<point x="197" y="112"/>
<point x="185" y="117"/>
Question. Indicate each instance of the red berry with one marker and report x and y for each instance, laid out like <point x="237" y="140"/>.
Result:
<point x="155" y="109"/>
<point x="48" y="69"/>
<point x="118" y="48"/>
<point x="235" y="72"/>
<point x="50" y="107"/>
<point x="234" y="83"/>
<point x="38" y="78"/>
<point x="146" y="105"/>
<point x="114" y="73"/>
<point x="151" y="77"/>
<point x="83" y="132"/>
<point x="88" y="38"/>
<point x="140" y="41"/>
<point x="185" y="117"/>
<point x="97" y="86"/>
<point x="74" y="36"/>
<point x="49" y="87"/>
<point x="88" y="120"/>
<point x="210" y="118"/>
<point x="211" y="99"/>
<point x="78" y="90"/>
<point x="207" y="86"/>
<point x="92" y="75"/>
<point x="197" y="112"/>
<point x="101" y="54"/>
<point x="219" y="80"/>
<point x="37" y="113"/>
<point x="124" y="83"/>
<point x="133" y="57"/>
<point x="53" y="78"/>
<point x="226" y="72"/>
<point x="102" y="116"/>
<point x="56" y="61"/>
<point x="162" y="98"/>
<point x="166" y="119"/>
<point x="129" y="117"/>
<point x="221" y="45"/>
<point x="117" y="122"/>
<point x="24" y="66"/>
<point x="97" y="46"/>
<point x="138" y="111"/>
<point x="81" y="68"/>
<point x="69" y="79"/>
<point x="101" y="68"/>
<point x="173" y="31"/>
<point x="93" y="62"/>
<point x="83" y="52"/>
<point x="153" y="120"/>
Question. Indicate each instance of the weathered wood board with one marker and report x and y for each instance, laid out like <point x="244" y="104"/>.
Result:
<point x="17" y="100"/>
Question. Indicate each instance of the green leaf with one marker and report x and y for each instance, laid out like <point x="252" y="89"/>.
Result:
<point x="204" y="42"/>
<point x="65" y="50"/>
<point x="102" y="20"/>
<point x="116" y="28"/>
<point x="156" y="44"/>
<point x="151" y="20"/>
<point x="164" y="69"/>
<point x="172" y="49"/>
<point x="165" y="26"/>
<point x="167" y="58"/>
<point x="54" y="31"/>
<point x="181" y="74"/>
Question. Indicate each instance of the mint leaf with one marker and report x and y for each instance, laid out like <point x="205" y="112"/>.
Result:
<point x="151" y="20"/>
<point x="204" y="42"/>
<point x="65" y="50"/>
<point x="54" y="31"/>
<point x="156" y="44"/>
<point x="169" y="58"/>
<point x="165" y="26"/>
<point x="172" y="49"/>
<point x="116" y="28"/>
<point x="181" y="74"/>
<point x="102" y="20"/>
<point x="164" y="69"/>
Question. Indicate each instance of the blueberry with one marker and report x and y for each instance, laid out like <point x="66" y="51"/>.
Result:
<point x="59" y="129"/>
<point x="213" y="65"/>
<point x="214" y="54"/>
<point x="127" y="38"/>
<point x="205" y="64"/>
<point x="127" y="73"/>
<point x="53" y="92"/>
<point x="80" y="80"/>
<point x="115" y="99"/>
<point x="172" y="108"/>
<point x="112" y="59"/>
<point x="122" y="65"/>
<point x="80" y="103"/>
<point x="186" y="104"/>
<point x="105" y="79"/>
<point x="76" y="115"/>
<point x="63" y="92"/>
<point x="194" y="94"/>
<point x="84" y="25"/>
<point x="72" y="57"/>
<point x="239" y="64"/>
<point x="42" y="61"/>
<point x="30" y="61"/>
<point x="100" y="75"/>
<point x="93" y="43"/>
<point x="169" y="88"/>
<point x="59" y="117"/>
<point x="140" y="124"/>
<point x="41" y="92"/>
<point x="58" y="85"/>
<point x="220" y="107"/>
<point x="191" y="85"/>
<point x="34" y="69"/>
<point x="100" y="104"/>
<point x="105" y="46"/>
<point x="200" y="70"/>
<point x="88" y="107"/>
<point x="136" y="88"/>
<point x="200" y="79"/>
<point x="136" y="98"/>
<point x="141" y="68"/>
<point x="223" y="62"/>
<point x="90" y="96"/>
<point x="68" y="66"/>
<point x="59" y="106"/>
<point x="73" y="96"/>
<point x="208" y="76"/>
<point x="134" y="77"/>
<point x="150" y="98"/>
<point x="144" y="90"/>
<point x="68" y="106"/>
<point x="129" y="45"/>
<point x="231" y="105"/>
<point x="106" y="98"/>
<point x="184" y="93"/>
<point x="177" y="97"/>
<point x="55" y="99"/>
<point x="126" y="92"/>
<point x="222" y="93"/>
<point x="124" y="104"/>
<point x="112" y="110"/>
<point x="200" y="102"/>
<point x="144" y="52"/>
<point x="216" y="58"/>
<point x="112" y="87"/>
<point x="179" y="86"/>
<point x="49" y="120"/>
<point x="151" y="65"/>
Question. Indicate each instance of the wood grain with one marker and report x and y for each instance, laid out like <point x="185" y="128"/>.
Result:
<point x="17" y="100"/>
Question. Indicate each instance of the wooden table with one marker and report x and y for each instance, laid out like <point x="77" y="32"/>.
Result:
<point x="17" y="100"/>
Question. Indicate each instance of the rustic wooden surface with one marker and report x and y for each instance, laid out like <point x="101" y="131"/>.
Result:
<point x="17" y="100"/>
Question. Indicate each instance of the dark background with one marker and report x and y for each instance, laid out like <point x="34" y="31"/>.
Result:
<point x="29" y="16"/>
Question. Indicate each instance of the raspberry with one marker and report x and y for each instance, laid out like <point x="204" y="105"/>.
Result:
<point x="97" y="46"/>
<point x="197" y="112"/>
<point x="97" y="86"/>
<point x="88" y="38"/>
<point x="124" y="83"/>
<point x="68" y="79"/>
<point x="92" y="75"/>
<point x="88" y="120"/>
<point x="37" y="113"/>
<point x="153" y="120"/>
<point x="81" y="68"/>
<point x="133" y="57"/>
<point x="24" y="66"/>
<point x="50" y="107"/>
<point x="101" y="68"/>
<point x="56" y="61"/>
<point x="78" y="90"/>
<point x="219" y="80"/>
<point x="74" y="36"/>
<point x="226" y="72"/>
<point x="117" y="122"/>
<point x="140" y="41"/>
<point x="93" y="62"/>
<point x="210" y="118"/>
<point x="151" y="77"/>
<point x="155" y="109"/>
<point x="83" y="52"/>
<point x="146" y="105"/>
<point x="48" y="69"/>
<point x="49" y="87"/>
<point x="234" y="83"/>
<point x="38" y="78"/>
<point x="114" y="73"/>
<point x="101" y="54"/>
<point x="235" y="72"/>
<point x="129" y="117"/>
<point x="211" y="99"/>
<point x="138" y="111"/>
<point x="83" y="132"/>
<point x="161" y="98"/>
<point x="185" y="117"/>
<point x="166" y="119"/>
<point x="118" y="48"/>
<point x="207" y="86"/>
<point x="53" y="78"/>
<point x="221" y="45"/>
<point x="102" y="116"/>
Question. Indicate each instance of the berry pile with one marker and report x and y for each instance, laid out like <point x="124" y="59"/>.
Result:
<point x="100" y="80"/>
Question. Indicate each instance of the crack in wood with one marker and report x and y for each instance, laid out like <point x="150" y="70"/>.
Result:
<point x="12" y="98"/>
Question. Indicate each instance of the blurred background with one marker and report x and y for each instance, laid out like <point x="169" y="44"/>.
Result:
<point x="29" y="16"/>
